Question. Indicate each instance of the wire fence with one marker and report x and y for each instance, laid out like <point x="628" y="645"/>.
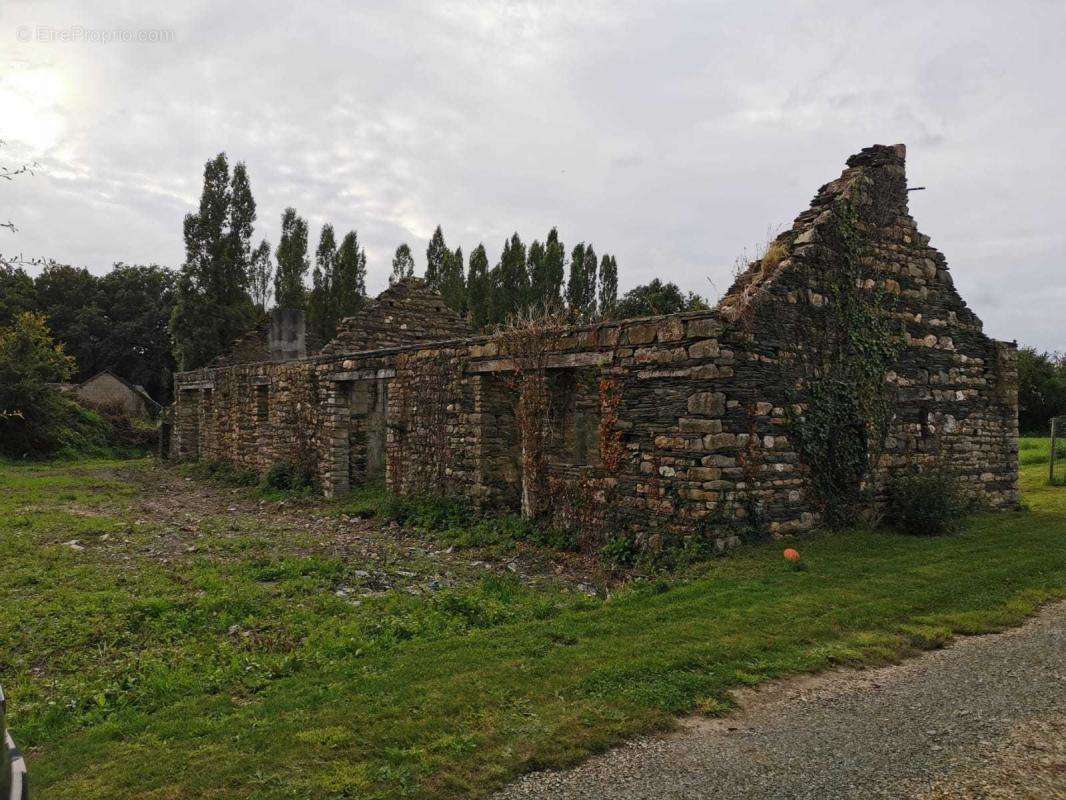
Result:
<point x="1057" y="456"/>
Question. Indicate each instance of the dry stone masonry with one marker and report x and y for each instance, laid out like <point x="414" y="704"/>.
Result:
<point x="701" y="407"/>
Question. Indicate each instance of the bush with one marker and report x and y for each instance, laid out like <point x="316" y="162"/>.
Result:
<point x="79" y="432"/>
<point x="428" y="512"/>
<point x="488" y="532"/>
<point x="288" y="477"/>
<point x="35" y="419"/>
<point x="927" y="503"/>
<point x="222" y="471"/>
<point x="620" y="550"/>
<point x="126" y="433"/>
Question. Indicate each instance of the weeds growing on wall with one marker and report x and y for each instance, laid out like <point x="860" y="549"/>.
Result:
<point x="529" y="341"/>
<point x="610" y="435"/>
<point x="850" y="343"/>
<point x="585" y="506"/>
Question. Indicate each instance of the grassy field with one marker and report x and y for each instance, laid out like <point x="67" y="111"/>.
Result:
<point x="233" y="668"/>
<point x="1035" y="450"/>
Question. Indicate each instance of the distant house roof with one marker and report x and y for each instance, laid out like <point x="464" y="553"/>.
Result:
<point x="137" y="389"/>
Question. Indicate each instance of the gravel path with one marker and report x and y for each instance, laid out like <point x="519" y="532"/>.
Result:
<point x="982" y="718"/>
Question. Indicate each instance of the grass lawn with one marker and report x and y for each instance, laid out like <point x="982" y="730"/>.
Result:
<point x="236" y="670"/>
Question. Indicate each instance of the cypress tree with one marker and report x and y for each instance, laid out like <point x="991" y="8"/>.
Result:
<point x="608" y="285"/>
<point x="403" y="264"/>
<point x="289" y="289"/>
<point x="477" y="288"/>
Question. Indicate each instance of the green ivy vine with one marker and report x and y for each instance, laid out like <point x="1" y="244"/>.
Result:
<point x="851" y="343"/>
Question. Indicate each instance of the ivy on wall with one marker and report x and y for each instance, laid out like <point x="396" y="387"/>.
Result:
<point x="844" y="402"/>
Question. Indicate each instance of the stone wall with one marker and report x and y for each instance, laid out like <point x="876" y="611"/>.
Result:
<point x="706" y="401"/>
<point x="408" y="312"/>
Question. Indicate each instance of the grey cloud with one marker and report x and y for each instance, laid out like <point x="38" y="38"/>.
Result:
<point x="672" y="134"/>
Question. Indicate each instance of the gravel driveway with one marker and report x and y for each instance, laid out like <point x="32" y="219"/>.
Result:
<point x="983" y="718"/>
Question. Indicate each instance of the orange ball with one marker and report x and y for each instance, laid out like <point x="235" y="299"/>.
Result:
<point x="792" y="555"/>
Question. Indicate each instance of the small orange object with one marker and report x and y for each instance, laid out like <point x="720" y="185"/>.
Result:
<point x="792" y="555"/>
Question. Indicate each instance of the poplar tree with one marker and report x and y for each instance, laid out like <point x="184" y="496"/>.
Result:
<point x="535" y="269"/>
<point x="437" y="254"/>
<point x="477" y="288"/>
<point x="453" y="282"/>
<point x="212" y="306"/>
<point x="513" y="291"/>
<point x="575" y="287"/>
<point x="289" y="289"/>
<point x="403" y="264"/>
<point x="554" y="270"/>
<point x="349" y="277"/>
<point x="608" y="285"/>
<point x="321" y="316"/>
<point x="261" y="276"/>
<point x="589" y="273"/>
<point x="241" y="223"/>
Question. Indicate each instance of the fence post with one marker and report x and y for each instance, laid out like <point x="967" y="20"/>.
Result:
<point x="1051" y="455"/>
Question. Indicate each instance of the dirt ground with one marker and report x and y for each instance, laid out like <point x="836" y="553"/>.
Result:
<point x="174" y="517"/>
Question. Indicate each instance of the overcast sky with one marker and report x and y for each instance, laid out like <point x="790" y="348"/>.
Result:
<point x="674" y="135"/>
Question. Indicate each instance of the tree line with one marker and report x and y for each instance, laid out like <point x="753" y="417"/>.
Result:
<point x="523" y="279"/>
<point x="144" y="322"/>
<point x="1041" y="389"/>
<point x="226" y="283"/>
<point x="118" y="321"/>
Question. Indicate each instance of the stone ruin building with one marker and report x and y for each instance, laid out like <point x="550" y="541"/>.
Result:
<point x="703" y="404"/>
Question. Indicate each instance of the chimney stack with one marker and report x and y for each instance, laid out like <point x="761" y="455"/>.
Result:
<point x="288" y="334"/>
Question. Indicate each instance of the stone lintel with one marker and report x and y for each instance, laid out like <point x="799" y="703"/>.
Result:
<point x="556" y="361"/>
<point x="361" y="375"/>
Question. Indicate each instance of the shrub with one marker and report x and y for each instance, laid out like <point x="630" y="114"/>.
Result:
<point x="224" y="472"/>
<point x="428" y="512"/>
<point x="35" y="420"/>
<point x="288" y="477"/>
<point x="620" y="549"/>
<point x="79" y="432"/>
<point x="926" y="503"/>
<point x="126" y="433"/>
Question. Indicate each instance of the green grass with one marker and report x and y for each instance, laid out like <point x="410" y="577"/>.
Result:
<point x="238" y="673"/>
<point x="1036" y="449"/>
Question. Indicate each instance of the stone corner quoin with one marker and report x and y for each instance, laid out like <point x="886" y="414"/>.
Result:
<point x="406" y="393"/>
